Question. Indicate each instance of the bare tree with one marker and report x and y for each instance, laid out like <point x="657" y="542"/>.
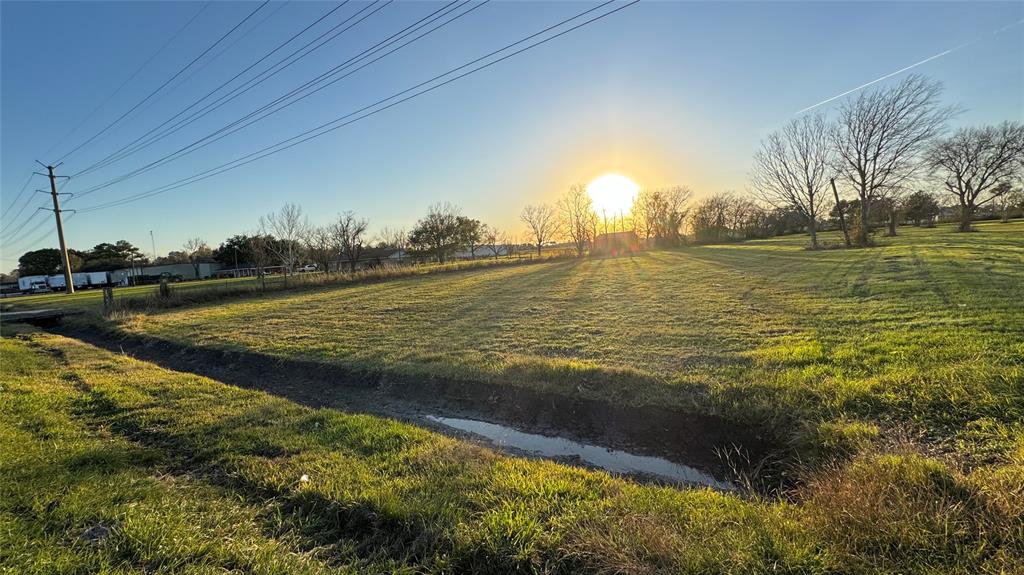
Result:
<point x="196" y="250"/>
<point x="659" y="213"/>
<point x="491" y="238"/>
<point x="880" y="138"/>
<point x="675" y="212"/>
<point x="578" y="217"/>
<point x="543" y="223"/>
<point x="1011" y="201"/>
<point x="439" y="233"/>
<point x="288" y="226"/>
<point x="395" y="238"/>
<point x="728" y="217"/>
<point x="258" y="245"/>
<point x="645" y="213"/>
<point x="349" y="235"/>
<point x="472" y="232"/>
<point x="974" y="163"/>
<point x="321" y="246"/>
<point x="509" y="243"/>
<point x="791" y="169"/>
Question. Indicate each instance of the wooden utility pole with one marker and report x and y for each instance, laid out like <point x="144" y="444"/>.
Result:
<point x="842" y="216"/>
<point x="68" y="282"/>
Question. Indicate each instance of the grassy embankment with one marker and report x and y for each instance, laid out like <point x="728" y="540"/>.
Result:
<point x="114" y="465"/>
<point x="832" y="351"/>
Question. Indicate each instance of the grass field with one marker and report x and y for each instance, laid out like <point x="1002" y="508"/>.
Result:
<point x="924" y="333"/>
<point x="893" y="375"/>
<point x="113" y="465"/>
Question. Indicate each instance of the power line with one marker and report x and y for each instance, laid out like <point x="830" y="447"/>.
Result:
<point x="30" y="231"/>
<point x="437" y="14"/>
<point x="206" y="140"/>
<point x="184" y="79"/>
<point x="129" y="79"/>
<point x="280" y="6"/>
<point x="117" y="155"/>
<point x="169" y="80"/>
<point x="50" y="230"/>
<point x="327" y="127"/>
<point x="18" y="196"/>
<point x="311" y="42"/>
<point x="13" y="233"/>
<point x="121" y="153"/>
<point x="104" y="103"/>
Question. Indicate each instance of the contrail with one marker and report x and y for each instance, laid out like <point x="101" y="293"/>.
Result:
<point x="914" y="65"/>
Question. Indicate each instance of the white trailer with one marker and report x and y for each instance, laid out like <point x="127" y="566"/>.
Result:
<point x="80" y="279"/>
<point x="98" y="279"/>
<point x="56" y="282"/>
<point x="32" y="284"/>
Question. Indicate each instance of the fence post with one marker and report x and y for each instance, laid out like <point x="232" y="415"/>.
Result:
<point x="108" y="300"/>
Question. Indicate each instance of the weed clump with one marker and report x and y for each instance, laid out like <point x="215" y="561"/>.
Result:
<point x="903" y="512"/>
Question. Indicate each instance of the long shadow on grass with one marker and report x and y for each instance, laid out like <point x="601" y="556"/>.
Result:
<point x="371" y="533"/>
<point x="689" y="438"/>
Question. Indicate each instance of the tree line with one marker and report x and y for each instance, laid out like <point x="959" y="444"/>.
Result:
<point x="877" y="156"/>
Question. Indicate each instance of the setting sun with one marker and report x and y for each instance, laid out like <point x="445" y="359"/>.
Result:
<point x="612" y="194"/>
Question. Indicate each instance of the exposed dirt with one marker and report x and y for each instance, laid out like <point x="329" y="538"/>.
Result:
<point x="691" y="439"/>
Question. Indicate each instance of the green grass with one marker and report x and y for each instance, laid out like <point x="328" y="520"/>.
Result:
<point x="895" y="374"/>
<point x="923" y="334"/>
<point x="114" y="465"/>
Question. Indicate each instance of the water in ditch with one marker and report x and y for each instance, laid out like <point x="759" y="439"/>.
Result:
<point x="612" y="460"/>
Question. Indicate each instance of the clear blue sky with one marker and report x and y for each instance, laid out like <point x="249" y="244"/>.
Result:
<point x="663" y="92"/>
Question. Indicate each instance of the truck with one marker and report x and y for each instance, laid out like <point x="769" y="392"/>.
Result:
<point x="33" y="284"/>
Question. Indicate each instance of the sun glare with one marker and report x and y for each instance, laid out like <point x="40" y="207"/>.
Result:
<point x="612" y="194"/>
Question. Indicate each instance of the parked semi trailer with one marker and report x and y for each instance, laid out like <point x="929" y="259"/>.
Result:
<point x="81" y="280"/>
<point x="33" y="284"/>
<point x="98" y="279"/>
<point x="38" y="284"/>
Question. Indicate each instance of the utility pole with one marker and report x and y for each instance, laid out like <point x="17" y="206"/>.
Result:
<point x="153" y="241"/>
<point x="69" y="284"/>
<point x="842" y="217"/>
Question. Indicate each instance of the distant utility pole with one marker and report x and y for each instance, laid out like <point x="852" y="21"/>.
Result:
<point x="153" y="241"/>
<point x="69" y="284"/>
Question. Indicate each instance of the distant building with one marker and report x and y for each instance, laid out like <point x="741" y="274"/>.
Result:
<point x="616" y="243"/>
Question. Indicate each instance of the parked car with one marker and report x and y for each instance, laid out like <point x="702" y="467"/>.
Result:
<point x="308" y="268"/>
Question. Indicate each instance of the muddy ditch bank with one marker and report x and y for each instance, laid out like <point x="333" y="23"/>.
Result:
<point x="649" y="443"/>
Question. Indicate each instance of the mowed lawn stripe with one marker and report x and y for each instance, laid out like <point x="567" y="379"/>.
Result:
<point x="924" y="331"/>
